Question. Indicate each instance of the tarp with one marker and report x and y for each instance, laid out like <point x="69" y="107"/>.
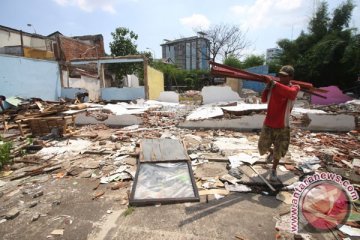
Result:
<point x="333" y="96"/>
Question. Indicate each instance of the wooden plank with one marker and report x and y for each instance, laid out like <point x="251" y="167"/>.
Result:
<point x="213" y="191"/>
<point x="20" y="128"/>
<point x="162" y="150"/>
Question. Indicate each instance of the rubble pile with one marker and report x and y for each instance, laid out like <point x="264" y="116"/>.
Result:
<point x="223" y="161"/>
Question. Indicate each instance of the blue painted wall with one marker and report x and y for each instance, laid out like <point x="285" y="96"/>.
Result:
<point x="256" y="86"/>
<point x="27" y="77"/>
<point x="122" y="94"/>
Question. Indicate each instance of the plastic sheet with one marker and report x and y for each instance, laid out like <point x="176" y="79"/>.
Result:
<point x="163" y="181"/>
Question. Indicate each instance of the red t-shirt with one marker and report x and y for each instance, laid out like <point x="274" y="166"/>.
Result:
<point x="280" y="99"/>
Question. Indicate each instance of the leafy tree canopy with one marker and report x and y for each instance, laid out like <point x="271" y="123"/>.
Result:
<point x="249" y="61"/>
<point x="124" y="43"/>
<point x="329" y="53"/>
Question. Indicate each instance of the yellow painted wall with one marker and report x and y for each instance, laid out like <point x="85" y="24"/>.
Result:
<point x="235" y="84"/>
<point x="155" y="83"/>
<point x="36" y="53"/>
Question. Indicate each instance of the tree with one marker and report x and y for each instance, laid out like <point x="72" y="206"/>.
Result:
<point x="233" y="61"/>
<point x="253" y="61"/>
<point x="249" y="61"/>
<point x="175" y="77"/>
<point x="329" y="53"/>
<point x="225" y="40"/>
<point x="124" y="44"/>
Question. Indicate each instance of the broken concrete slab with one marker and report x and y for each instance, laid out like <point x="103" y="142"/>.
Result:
<point x="245" y="107"/>
<point x="124" y="108"/>
<point x="331" y="122"/>
<point x="213" y="94"/>
<point x="319" y="120"/>
<point x="112" y="120"/>
<point x="298" y="111"/>
<point x="169" y="96"/>
<point x="71" y="147"/>
<point x="205" y="112"/>
<point x="246" y="123"/>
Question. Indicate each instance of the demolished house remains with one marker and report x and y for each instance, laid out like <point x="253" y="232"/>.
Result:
<point x="140" y="145"/>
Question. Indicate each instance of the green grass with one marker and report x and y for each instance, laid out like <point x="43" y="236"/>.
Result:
<point x="128" y="211"/>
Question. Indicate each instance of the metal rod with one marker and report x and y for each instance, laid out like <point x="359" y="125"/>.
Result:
<point x="262" y="178"/>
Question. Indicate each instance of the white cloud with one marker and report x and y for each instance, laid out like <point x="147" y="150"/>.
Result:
<point x="288" y="4"/>
<point x="90" y="5"/>
<point x="196" y="21"/>
<point x="266" y="13"/>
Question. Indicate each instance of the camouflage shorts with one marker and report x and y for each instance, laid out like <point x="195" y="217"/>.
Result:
<point x="280" y="137"/>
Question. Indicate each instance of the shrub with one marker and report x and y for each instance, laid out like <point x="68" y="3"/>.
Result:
<point x="5" y="148"/>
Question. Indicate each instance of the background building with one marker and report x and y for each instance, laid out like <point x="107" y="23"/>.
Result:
<point x="272" y="54"/>
<point x="187" y="53"/>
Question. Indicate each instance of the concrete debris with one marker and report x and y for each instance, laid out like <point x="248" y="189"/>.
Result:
<point x="32" y="204"/>
<point x="356" y="162"/>
<point x="169" y="96"/>
<point x="35" y="217"/>
<point x="310" y="164"/>
<point x="214" y="94"/>
<point x="284" y="223"/>
<point x="12" y="213"/>
<point x="205" y="113"/>
<point x="219" y="139"/>
<point x="235" y="172"/>
<point x="285" y="197"/>
<point x="71" y="147"/>
<point x="237" y="188"/>
<point x="244" y="108"/>
<point x="58" y="232"/>
<point x="38" y="194"/>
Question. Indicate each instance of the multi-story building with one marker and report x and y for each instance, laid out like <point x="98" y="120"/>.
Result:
<point x="187" y="53"/>
<point x="272" y="54"/>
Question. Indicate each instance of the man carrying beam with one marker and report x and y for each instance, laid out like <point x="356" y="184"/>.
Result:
<point x="280" y="97"/>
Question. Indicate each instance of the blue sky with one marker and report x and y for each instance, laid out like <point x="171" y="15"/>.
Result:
<point x="264" y="21"/>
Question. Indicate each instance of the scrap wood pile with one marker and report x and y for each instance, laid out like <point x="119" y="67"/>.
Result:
<point x="34" y="117"/>
<point x="29" y="118"/>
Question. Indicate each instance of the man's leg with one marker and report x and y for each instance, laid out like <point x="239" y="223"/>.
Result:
<point x="275" y="163"/>
<point x="281" y="145"/>
<point x="264" y="144"/>
<point x="270" y="157"/>
<point x="273" y="174"/>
